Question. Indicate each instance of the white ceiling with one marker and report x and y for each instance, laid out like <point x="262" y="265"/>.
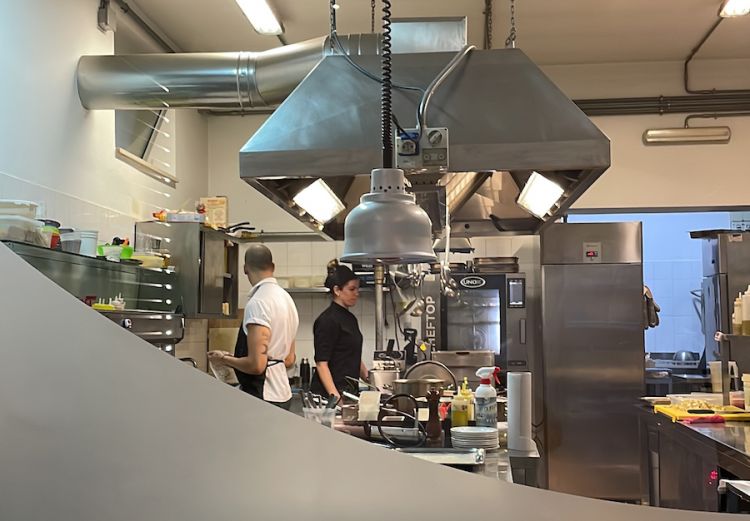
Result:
<point x="549" y="31"/>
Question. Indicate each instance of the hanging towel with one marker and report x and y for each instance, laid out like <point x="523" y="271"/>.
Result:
<point x="650" y="309"/>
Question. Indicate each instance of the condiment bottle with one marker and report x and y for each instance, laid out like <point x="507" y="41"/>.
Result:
<point x="737" y="316"/>
<point x="460" y="406"/>
<point x="304" y="374"/>
<point x="746" y="312"/>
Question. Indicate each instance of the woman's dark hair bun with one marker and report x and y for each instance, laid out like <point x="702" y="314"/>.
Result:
<point x="331" y="266"/>
<point x="338" y="275"/>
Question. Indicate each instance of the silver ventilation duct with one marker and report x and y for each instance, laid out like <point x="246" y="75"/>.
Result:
<point x="221" y="80"/>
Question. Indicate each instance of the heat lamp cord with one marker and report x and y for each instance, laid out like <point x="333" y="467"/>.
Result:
<point x="386" y="101"/>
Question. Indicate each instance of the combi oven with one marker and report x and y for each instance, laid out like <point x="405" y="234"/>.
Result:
<point x="488" y="313"/>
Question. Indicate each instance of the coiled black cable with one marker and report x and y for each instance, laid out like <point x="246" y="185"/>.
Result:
<point x="421" y="431"/>
<point x="386" y="100"/>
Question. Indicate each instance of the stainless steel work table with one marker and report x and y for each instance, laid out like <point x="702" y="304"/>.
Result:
<point x="681" y="464"/>
<point x="731" y="437"/>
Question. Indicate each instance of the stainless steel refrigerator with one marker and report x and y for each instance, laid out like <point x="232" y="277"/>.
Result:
<point x="726" y="273"/>
<point x="592" y="358"/>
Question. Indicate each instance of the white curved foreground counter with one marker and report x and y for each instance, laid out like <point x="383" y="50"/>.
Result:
<point x="96" y="424"/>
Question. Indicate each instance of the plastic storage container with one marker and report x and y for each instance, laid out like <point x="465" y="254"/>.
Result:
<point x="737" y="399"/>
<point x="111" y="253"/>
<point x="70" y="242"/>
<point x="21" y="229"/>
<point x="83" y="242"/>
<point x="20" y="208"/>
<point x="688" y="400"/>
<point x="320" y="415"/>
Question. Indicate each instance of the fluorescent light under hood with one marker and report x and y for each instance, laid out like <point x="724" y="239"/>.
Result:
<point x="732" y="8"/>
<point x="319" y="201"/>
<point x="261" y="17"/>
<point x="539" y="194"/>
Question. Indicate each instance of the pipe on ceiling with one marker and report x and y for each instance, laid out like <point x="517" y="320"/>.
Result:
<point x="222" y="80"/>
<point x="665" y="104"/>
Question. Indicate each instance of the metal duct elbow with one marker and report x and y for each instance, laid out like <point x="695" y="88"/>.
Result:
<point x="221" y="80"/>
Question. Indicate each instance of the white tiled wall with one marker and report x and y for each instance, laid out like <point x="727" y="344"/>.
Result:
<point x="71" y="211"/>
<point x="309" y="260"/>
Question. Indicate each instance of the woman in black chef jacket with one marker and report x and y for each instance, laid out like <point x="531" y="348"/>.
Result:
<point x="338" y="340"/>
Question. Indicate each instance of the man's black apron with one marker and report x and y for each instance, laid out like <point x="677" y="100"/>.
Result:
<point x="250" y="383"/>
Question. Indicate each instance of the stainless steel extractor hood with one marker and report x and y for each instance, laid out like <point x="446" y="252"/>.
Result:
<point x="505" y="119"/>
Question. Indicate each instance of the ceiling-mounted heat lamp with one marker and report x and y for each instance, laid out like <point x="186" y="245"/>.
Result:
<point x="262" y="17"/>
<point x="387" y="227"/>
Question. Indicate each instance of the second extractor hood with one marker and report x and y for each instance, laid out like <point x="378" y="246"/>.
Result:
<point x="505" y="119"/>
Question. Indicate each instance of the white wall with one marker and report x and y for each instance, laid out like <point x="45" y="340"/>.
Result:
<point x="666" y="176"/>
<point x="226" y="136"/>
<point x="670" y="176"/>
<point x="54" y="151"/>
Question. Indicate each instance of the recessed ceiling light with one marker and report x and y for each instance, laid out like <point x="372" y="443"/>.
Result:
<point x="732" y="8"/>
<point x="261" y="17"/>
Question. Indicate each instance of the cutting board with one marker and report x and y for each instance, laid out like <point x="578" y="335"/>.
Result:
<point x="679" y="414"/>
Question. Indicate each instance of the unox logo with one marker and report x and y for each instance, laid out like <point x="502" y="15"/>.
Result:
<point x="473" y="282"/>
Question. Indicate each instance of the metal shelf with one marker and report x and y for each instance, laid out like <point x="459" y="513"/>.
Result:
<point x="149" y="289"/>
<point x="306" y="290"/>
<point x="316" y="291"/>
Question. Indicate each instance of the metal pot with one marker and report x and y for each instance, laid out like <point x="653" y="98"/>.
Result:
<point x="685" y="356"/>
<point x="383" y="378"/>
<point x="416" y="387"/>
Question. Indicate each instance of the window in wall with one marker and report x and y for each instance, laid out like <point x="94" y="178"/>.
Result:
<point x="740" y="221"/>
<point x="144" y="138"/>
<point x="672" y="269"/>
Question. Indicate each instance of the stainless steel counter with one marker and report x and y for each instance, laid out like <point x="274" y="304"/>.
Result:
<point x="734" y="436"/>
<point x="681" y="465"/>
<point x="498" y="463"/>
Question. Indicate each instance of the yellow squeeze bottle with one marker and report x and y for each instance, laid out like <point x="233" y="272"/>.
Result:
<point x="461" y="405"/>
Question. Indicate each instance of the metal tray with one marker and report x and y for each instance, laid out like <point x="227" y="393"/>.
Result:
<point x="468" y="458"/>
<point x="480" y="261"/>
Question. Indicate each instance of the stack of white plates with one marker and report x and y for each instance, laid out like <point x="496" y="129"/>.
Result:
<point x="474" y="437"/>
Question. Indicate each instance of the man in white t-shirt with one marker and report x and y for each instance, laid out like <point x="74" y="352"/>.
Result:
<point x="265" y="341"/>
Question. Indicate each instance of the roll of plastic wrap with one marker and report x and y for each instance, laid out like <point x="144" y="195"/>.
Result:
<point x="519" y="412"/>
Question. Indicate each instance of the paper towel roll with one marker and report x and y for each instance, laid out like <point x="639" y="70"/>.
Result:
<point x="519" y="412"/>
<point x="716" y="377"/>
